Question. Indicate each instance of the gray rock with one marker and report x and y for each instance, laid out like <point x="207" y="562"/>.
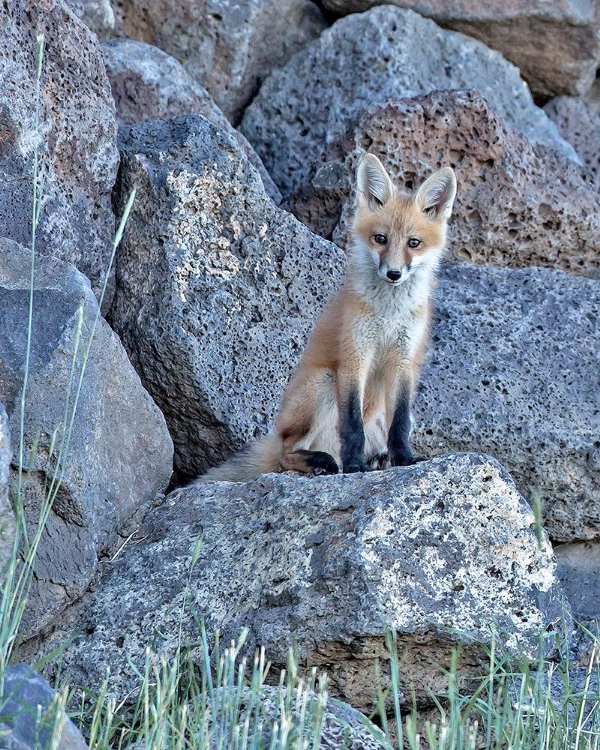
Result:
<point x="29" y="716"/>
<point x="97" y="15"/>
<point x="442" y="552"/>
<point x="371" y="59"/>
<point x="227" y="47"/>
<point x="513" y="370"/>
<point x="517" y="204"/>
<point x="578" y="569"/>
<point x="555" y="44"/>
<point x="7" y="519"/>
<point x="112" y="458"/>
<point x="76" y="138"/>
<point x="148" y="84"/>
<point x="217" y="288"/>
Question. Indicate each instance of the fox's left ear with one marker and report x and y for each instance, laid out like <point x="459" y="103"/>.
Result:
<point x="373" y="181"/>
<point x="436" y="195"/>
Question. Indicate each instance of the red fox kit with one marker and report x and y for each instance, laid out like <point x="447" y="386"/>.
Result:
<point x="348" y="403"/>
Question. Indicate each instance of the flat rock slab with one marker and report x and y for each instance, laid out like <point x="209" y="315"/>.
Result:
<point x="513" y="370"/>
<point x="77" y="136"/>
<point x="105" y="462"/>
<point x="442" y="552"/>
<point x="227" y="47"/>
<point x="554" y="44"/>
<point x="517" y="204"/>
<point x="217" y="287"/>
<point x="148" y="84"/>
<point x="370" y="59"/>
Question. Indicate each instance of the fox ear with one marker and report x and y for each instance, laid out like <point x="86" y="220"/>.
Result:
<point x="373" y="181"/>
<point x="436" y="195"/>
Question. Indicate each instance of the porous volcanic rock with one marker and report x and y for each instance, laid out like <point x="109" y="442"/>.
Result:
<point x="514" y="371"/>
<point x="554" y="44"/>
<point x="578" y="569"/>
<point x="444" y="551"/>
<point x="7" y="519"/>
<point x="76" y="137"/>
<point x="370" y="59"/>
<point x="227" y="47"/>
<point x="97" y="15"/>
<point x="102" y="464"/>
<point x="517" y="204"/>
<point x="579" y="125"/>
<point x="148" y="84"/>
<point x="217" y="287"/>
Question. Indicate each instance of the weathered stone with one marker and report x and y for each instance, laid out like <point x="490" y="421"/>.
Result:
<point x="227" y="47"/>
<point x="517" y="205"/>
<point x="78" y="158"/>
<point x="554" y="44"/>
<point x="30" y="716"/>
<point x="148" y="84"/>
<point x="514" y="371"/>
<point x="371" y="59"/>
<point x="97" y="15"/>
<point x="581" y="127"/>
<point x="108" y="460"/>
<point x="217" y="287"/>
<point x="7" y="519"/>
<point x="442" y="552"/>
<point x="578" y="569"/>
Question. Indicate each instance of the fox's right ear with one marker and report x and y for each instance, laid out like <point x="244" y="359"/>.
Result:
<point x="373" y="182"/>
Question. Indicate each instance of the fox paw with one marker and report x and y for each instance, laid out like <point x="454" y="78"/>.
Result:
<point x="380" y="461"/>
<point x="322" y="463"/>
<point x="408" y="460"/>
<point x="355" y="467"/>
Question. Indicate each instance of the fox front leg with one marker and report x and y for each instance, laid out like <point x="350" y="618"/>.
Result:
<point x="350" y="387"/>
<point x="400" y="428"/>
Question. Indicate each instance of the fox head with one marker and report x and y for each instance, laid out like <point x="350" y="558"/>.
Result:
<point x="395" y="233"/>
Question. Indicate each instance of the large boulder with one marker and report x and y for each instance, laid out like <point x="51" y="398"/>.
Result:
<point x="370" y="59"/>
<point x="217" y="287"/>
<point x="513" y="371"/>
<point x="580" y="125"/>
<point x="93" y="439"/>
<point x="443" y="552"/>
<point x="7" y="519"/>
<point x="517" y="204"/>
<point x="97" y="15"/>
<point x="227" y="47"/>
<point x="556" y="45"/>
<point x="76" y="137"/>
<point x="148" y="84"/>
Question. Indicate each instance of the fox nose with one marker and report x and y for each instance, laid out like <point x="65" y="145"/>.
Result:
<point x="394" y="275"/>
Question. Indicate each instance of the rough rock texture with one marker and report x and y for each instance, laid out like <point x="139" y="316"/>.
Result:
<point x="217" y="287"/>
<point x="28" y="716"/>
<point x="7" y="520"/>
<point x="228" y="47"/>
<point x="148" y="84"/>
<point x="581" y="127"/>
<point x="514" y="370"/>
<point x="97" y="15"/>
<point x="77" y="136"/>
<point x="578" y="569"/>
<point x="555" y="44"/>
<point x="116" y="454"/>
<point x="441" y="551"/>
<point x="517" y="205"/>
<point x="371" y="59"/>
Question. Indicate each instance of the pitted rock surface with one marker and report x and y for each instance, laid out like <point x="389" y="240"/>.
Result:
<point x="579" y="125"/>
<point x="7" y="519"/>
<point x="517" y="204"/>
<point x="217" y="287"/>
<point x="442" y="551"/>
<point x="514" y="370"/>
<point x="370" y="59"/>
<point x="554" y="44"/>
<point x="148" y="84"/>
<point x="77" y="134"/>
<point x="112" y="458"/>
<point x="97" y="15"/>
<point x="227" y="47"/>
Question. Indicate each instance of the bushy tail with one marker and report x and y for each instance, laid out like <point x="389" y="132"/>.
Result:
<point x="260" y="457"/>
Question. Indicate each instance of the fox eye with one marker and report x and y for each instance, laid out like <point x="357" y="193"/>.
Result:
<point x="414" y="242"/>
<point x="380" y="239"/>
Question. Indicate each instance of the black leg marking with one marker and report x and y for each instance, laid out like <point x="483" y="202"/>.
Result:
<point x="398" y="439"/>
<point x="320" y="462"/>
<point x="352" y="435"/>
